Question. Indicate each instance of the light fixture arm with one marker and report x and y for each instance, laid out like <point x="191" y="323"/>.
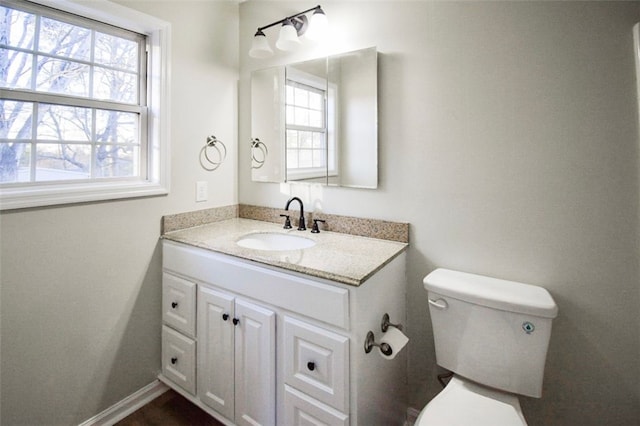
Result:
<point x="292" y="18"/>
<point x="293" y="27"/>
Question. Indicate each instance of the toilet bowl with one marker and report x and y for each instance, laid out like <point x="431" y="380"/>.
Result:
<point x="465" y="403"/>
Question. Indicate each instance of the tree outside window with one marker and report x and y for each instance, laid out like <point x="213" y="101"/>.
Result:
<point x="72" y="102"/>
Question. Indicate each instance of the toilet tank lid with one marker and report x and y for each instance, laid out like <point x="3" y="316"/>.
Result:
<point x="492" y="292"/>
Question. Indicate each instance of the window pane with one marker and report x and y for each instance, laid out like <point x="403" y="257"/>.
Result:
<point x="116" y="161"/>
<point x="57" y="76"/>
<point x="17" y="28"/>
<point x="292" y="159"/>
<point x="306" y="159"/>
<point x="15" y="119"/>
<point x="15" y="69"/>
<point x="62" y="39"/>
<point x="115" y="85"/>
<point x="63" y="162"/>
<point x="116" y="52"/>
<point x="301" y="97"/>
<point x="301" y="117"/>
<point x="305" y="139"/>
<point x="15" y="159"/>
<point x="64" y="123"/>
<point x="318" y="140"/>
<point x="315" y="118"/>
<point x="315" y="101"/>
<point x="116" y="127"/>
<point x="292" y="138"/>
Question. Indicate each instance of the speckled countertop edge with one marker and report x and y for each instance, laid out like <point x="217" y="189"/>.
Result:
<point x="343" y="258"/>
<point x="176" y="222"/>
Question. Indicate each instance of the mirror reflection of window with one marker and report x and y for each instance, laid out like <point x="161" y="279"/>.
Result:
<point x="307" y="128"/>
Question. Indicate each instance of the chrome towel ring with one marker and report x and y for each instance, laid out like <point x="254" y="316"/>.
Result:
<point x="259" y="147"/>
<point x="212" y="154"/>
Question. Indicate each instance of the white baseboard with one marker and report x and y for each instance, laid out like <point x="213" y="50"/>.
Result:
<point x="412" y="416"/>
<point x="122" y="409"/>
<point x="138" y="399"/>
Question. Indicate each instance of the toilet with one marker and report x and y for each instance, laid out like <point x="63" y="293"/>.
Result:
<point x="493" y="335"/>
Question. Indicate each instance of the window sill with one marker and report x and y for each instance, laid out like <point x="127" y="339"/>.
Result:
<point x="47" y="195"/>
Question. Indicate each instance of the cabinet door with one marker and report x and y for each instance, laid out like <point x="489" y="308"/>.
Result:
<point x="215" y="350"/>
<point x="255" y="361"/>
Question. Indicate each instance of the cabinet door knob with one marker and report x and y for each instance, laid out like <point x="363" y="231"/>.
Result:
<point x="225" y="317"/>
<point x="174" y="305"/>
<point x="311" y="365"/>
<point x="236" y="321"/>
<point x="174" y="360"/>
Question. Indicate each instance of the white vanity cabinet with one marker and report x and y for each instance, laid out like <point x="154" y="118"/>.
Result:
<point x="275" y="347"/>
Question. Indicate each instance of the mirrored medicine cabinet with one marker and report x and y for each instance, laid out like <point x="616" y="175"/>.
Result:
<point x="317" y="121"/>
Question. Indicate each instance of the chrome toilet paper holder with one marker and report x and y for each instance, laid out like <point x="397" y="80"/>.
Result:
<point x="385" y="323"/>
<point x="370" y="340"/>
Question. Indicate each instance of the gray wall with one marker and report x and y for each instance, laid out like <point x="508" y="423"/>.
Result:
<point x="508" y="139"/>
<point x="80" y="285"/>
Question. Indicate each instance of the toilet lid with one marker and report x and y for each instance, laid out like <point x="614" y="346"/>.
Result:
<point x="464" y="403"/>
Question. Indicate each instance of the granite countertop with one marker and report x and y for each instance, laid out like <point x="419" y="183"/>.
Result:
<point x="344" y="258"/>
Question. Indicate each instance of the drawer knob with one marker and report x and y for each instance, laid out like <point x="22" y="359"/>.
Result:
<point x="225" y="317"/>
<point x="311" y="365"/>
<point x="174" y="305"/>
<point x="236" y="321"/>
<point x="174" y="360"/>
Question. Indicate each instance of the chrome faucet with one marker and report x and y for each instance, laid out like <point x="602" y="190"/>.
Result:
<point x="301" y="225"/>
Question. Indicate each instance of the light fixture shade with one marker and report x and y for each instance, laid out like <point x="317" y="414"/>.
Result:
<point x="260" y="47"/>
<point x="288" y="39"/>
<point x="318" y="25"/>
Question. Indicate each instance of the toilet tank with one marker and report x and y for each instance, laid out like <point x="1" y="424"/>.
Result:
<point x="494" y="332"/>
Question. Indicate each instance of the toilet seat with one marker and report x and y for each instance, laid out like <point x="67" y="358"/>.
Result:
<point x="463" y="403"/>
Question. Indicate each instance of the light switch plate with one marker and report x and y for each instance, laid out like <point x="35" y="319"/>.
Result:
<point x="201" y="191"/>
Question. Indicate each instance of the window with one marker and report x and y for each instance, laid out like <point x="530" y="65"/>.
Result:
<point x="74" y="110"/>
<point x="306" y="147"/>
<point x="308" y="139"/>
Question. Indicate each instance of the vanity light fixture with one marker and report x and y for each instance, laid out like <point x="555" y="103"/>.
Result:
<point x="292" y="28"/>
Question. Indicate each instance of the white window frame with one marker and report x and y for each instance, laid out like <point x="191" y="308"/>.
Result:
<point x="157" y="179"/>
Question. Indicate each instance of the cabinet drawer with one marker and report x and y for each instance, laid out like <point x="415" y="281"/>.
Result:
<point x="179" y="304"/>
<point x="302" y="410"/>
<point x="316" y="361"/>
<point x="179" y="359"/>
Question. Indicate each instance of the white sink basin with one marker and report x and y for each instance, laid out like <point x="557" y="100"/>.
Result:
<point x="275" y="241"/>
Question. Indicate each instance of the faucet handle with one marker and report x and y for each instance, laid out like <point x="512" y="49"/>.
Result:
<point x="314" y="228"/>
<point x="287" y="221"/>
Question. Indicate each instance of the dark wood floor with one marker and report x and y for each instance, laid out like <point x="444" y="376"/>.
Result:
<point x="169" y="409"/>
